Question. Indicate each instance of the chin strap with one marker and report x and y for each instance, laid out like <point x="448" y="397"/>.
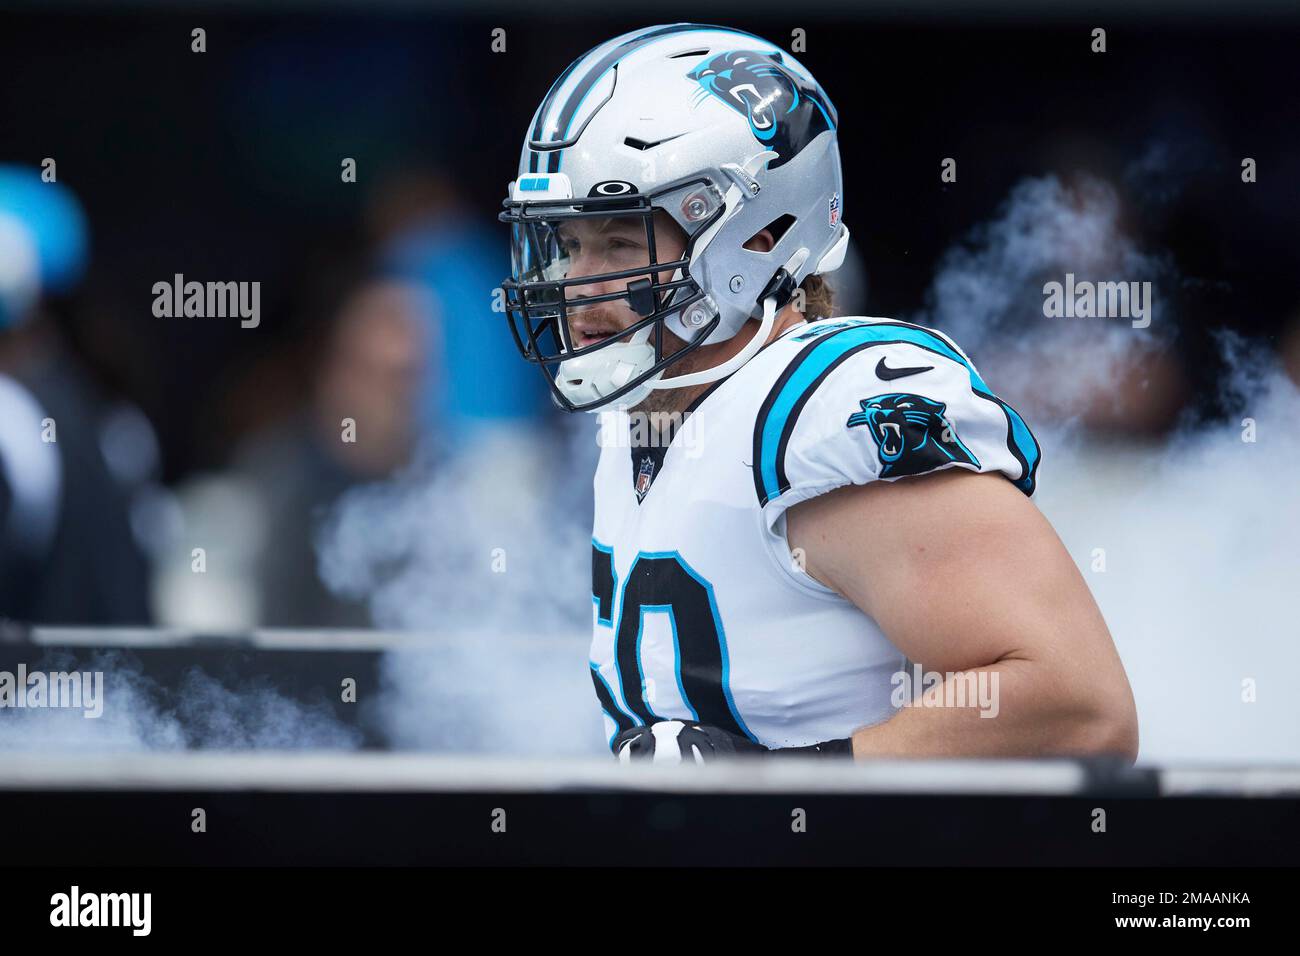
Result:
<point x="779" y="291"/>
<point x="736" y="361"/>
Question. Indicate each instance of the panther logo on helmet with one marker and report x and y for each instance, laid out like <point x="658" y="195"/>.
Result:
<point x="785" y="111"/>
<point x="623" y="142"/>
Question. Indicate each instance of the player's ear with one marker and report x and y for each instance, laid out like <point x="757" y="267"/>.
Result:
<point x="761" y="241"/>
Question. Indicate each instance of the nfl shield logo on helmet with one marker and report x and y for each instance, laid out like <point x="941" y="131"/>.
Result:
<point x="835" y="209"/>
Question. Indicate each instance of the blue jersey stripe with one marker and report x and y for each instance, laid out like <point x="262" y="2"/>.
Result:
<point x="790" y="393"/>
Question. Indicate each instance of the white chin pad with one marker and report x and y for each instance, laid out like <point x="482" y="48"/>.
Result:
<point x="589" y="378"/>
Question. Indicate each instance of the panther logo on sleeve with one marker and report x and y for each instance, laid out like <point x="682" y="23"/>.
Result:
<point x="911" y="433"/>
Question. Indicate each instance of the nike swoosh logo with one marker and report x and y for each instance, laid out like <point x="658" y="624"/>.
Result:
<point x="643" y="145"/>
<point x="887" y="374"/>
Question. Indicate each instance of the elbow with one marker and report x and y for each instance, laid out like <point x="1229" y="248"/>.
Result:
<point x="1110" y="727"/>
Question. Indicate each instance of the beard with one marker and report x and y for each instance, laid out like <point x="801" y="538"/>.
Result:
<point x="676" y="400"/>
<point x="661" y="399"/>
<point x="669" y="400"/>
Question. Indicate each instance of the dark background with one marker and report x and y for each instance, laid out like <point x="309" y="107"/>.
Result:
<point x="226" y="164"/>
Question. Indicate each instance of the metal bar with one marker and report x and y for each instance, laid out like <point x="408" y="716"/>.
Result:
<point x="307" y="639"/>
<point x="370" y="772"/>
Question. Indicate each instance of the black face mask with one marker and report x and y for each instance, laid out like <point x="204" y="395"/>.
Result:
<point x="538" y="298"/>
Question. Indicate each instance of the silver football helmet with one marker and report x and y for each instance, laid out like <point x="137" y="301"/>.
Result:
<point x="726" y="134"/>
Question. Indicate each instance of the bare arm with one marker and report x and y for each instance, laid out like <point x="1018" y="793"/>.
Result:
<point x="963" y="573"/>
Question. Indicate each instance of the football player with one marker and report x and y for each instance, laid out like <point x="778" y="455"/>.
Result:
<point x="804" y="509"/>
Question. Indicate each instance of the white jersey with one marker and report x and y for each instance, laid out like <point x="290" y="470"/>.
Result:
<point x="700" y="611"/>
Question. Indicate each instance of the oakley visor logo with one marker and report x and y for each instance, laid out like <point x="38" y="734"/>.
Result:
<point x="612" y="187"/>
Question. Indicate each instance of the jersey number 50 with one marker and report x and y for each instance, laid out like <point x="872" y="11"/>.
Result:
<point x="662" y="582"/>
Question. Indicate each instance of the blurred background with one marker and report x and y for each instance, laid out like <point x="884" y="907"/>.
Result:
<point x="198" y="479"/>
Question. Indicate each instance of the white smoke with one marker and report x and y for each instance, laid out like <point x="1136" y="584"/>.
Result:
<point x="988" y="295"/>
<point x="487" y="554"/>
<point x="503" y="693"/>
<point x="488" y="540"/>
<point x="1198" y="532"/>
<point x="1201" y="540"/>
<point x="199" y="713"/>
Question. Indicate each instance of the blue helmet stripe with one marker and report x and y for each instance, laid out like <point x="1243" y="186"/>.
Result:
<point x="634" y="41"/>
<point x="546" y="105"/>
